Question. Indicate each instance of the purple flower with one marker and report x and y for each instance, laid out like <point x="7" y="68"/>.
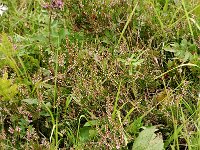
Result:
<point x="55" y="4"/>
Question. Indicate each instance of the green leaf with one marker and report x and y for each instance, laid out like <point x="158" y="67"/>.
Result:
<point x="68" y="101"/>
<point x="48" y="104"/>
<point x="169" y="49"/>
<point x="6" y="47"/>
<point x="30" y="101"/>
<point x="8" y="89"/>
<point x="62" y="33"/>
<point x="87" y="133"/>
<point x="187" y="56"/>
<point x="184" y="43"/>
<point x="7" y="52"/>
<point x="84" y="134"/>
<point x="134" y="127"/>
<point x="148" y="140"/>
<point x="91" y="123"/>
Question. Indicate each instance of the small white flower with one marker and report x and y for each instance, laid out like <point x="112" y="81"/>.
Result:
<point x="3" y="8"/>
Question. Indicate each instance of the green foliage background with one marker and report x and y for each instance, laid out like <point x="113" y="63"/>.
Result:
<point x="106" y="74"/>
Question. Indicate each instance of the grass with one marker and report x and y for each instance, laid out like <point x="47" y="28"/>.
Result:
<point x="100" y="74"/>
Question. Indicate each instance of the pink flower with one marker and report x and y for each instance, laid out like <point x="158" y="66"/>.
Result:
<point x="55" y="4"/>
<point x="11" y="130"/>
<point x="18" y="129"/>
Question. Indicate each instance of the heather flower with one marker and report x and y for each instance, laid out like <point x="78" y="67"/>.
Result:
<point x="45" y="143"/>
<point x="31" y="134"/>
<point x="55" y="4"/>
<point x="3" y="8"/>
<point x="30" y="118"/>
<point x="11" y="130"/>
<point x="18" y="129"/>
<point x="28" y="135"/>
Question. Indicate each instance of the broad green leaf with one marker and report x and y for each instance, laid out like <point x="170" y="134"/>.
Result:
<point x="87" y="133"/>
<point x="91" y="123"/>
<point x="134" y="127"/>
<point x="187" y="56"/>
<point x="84" y="134"/>
<point x="148" y="140"/>
<point x="8" y="90"/>
<point x="30" y="101"/>
<point x="184" y="43"/>
<point x="6" y="47"/>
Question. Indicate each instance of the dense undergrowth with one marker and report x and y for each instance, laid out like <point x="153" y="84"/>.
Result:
<point x="100" y="74"/>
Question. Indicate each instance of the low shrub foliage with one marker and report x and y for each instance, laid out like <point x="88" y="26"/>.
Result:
<point x="100" y="74"/>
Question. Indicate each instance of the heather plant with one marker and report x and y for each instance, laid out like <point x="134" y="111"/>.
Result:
<point x="106" y="74"/>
